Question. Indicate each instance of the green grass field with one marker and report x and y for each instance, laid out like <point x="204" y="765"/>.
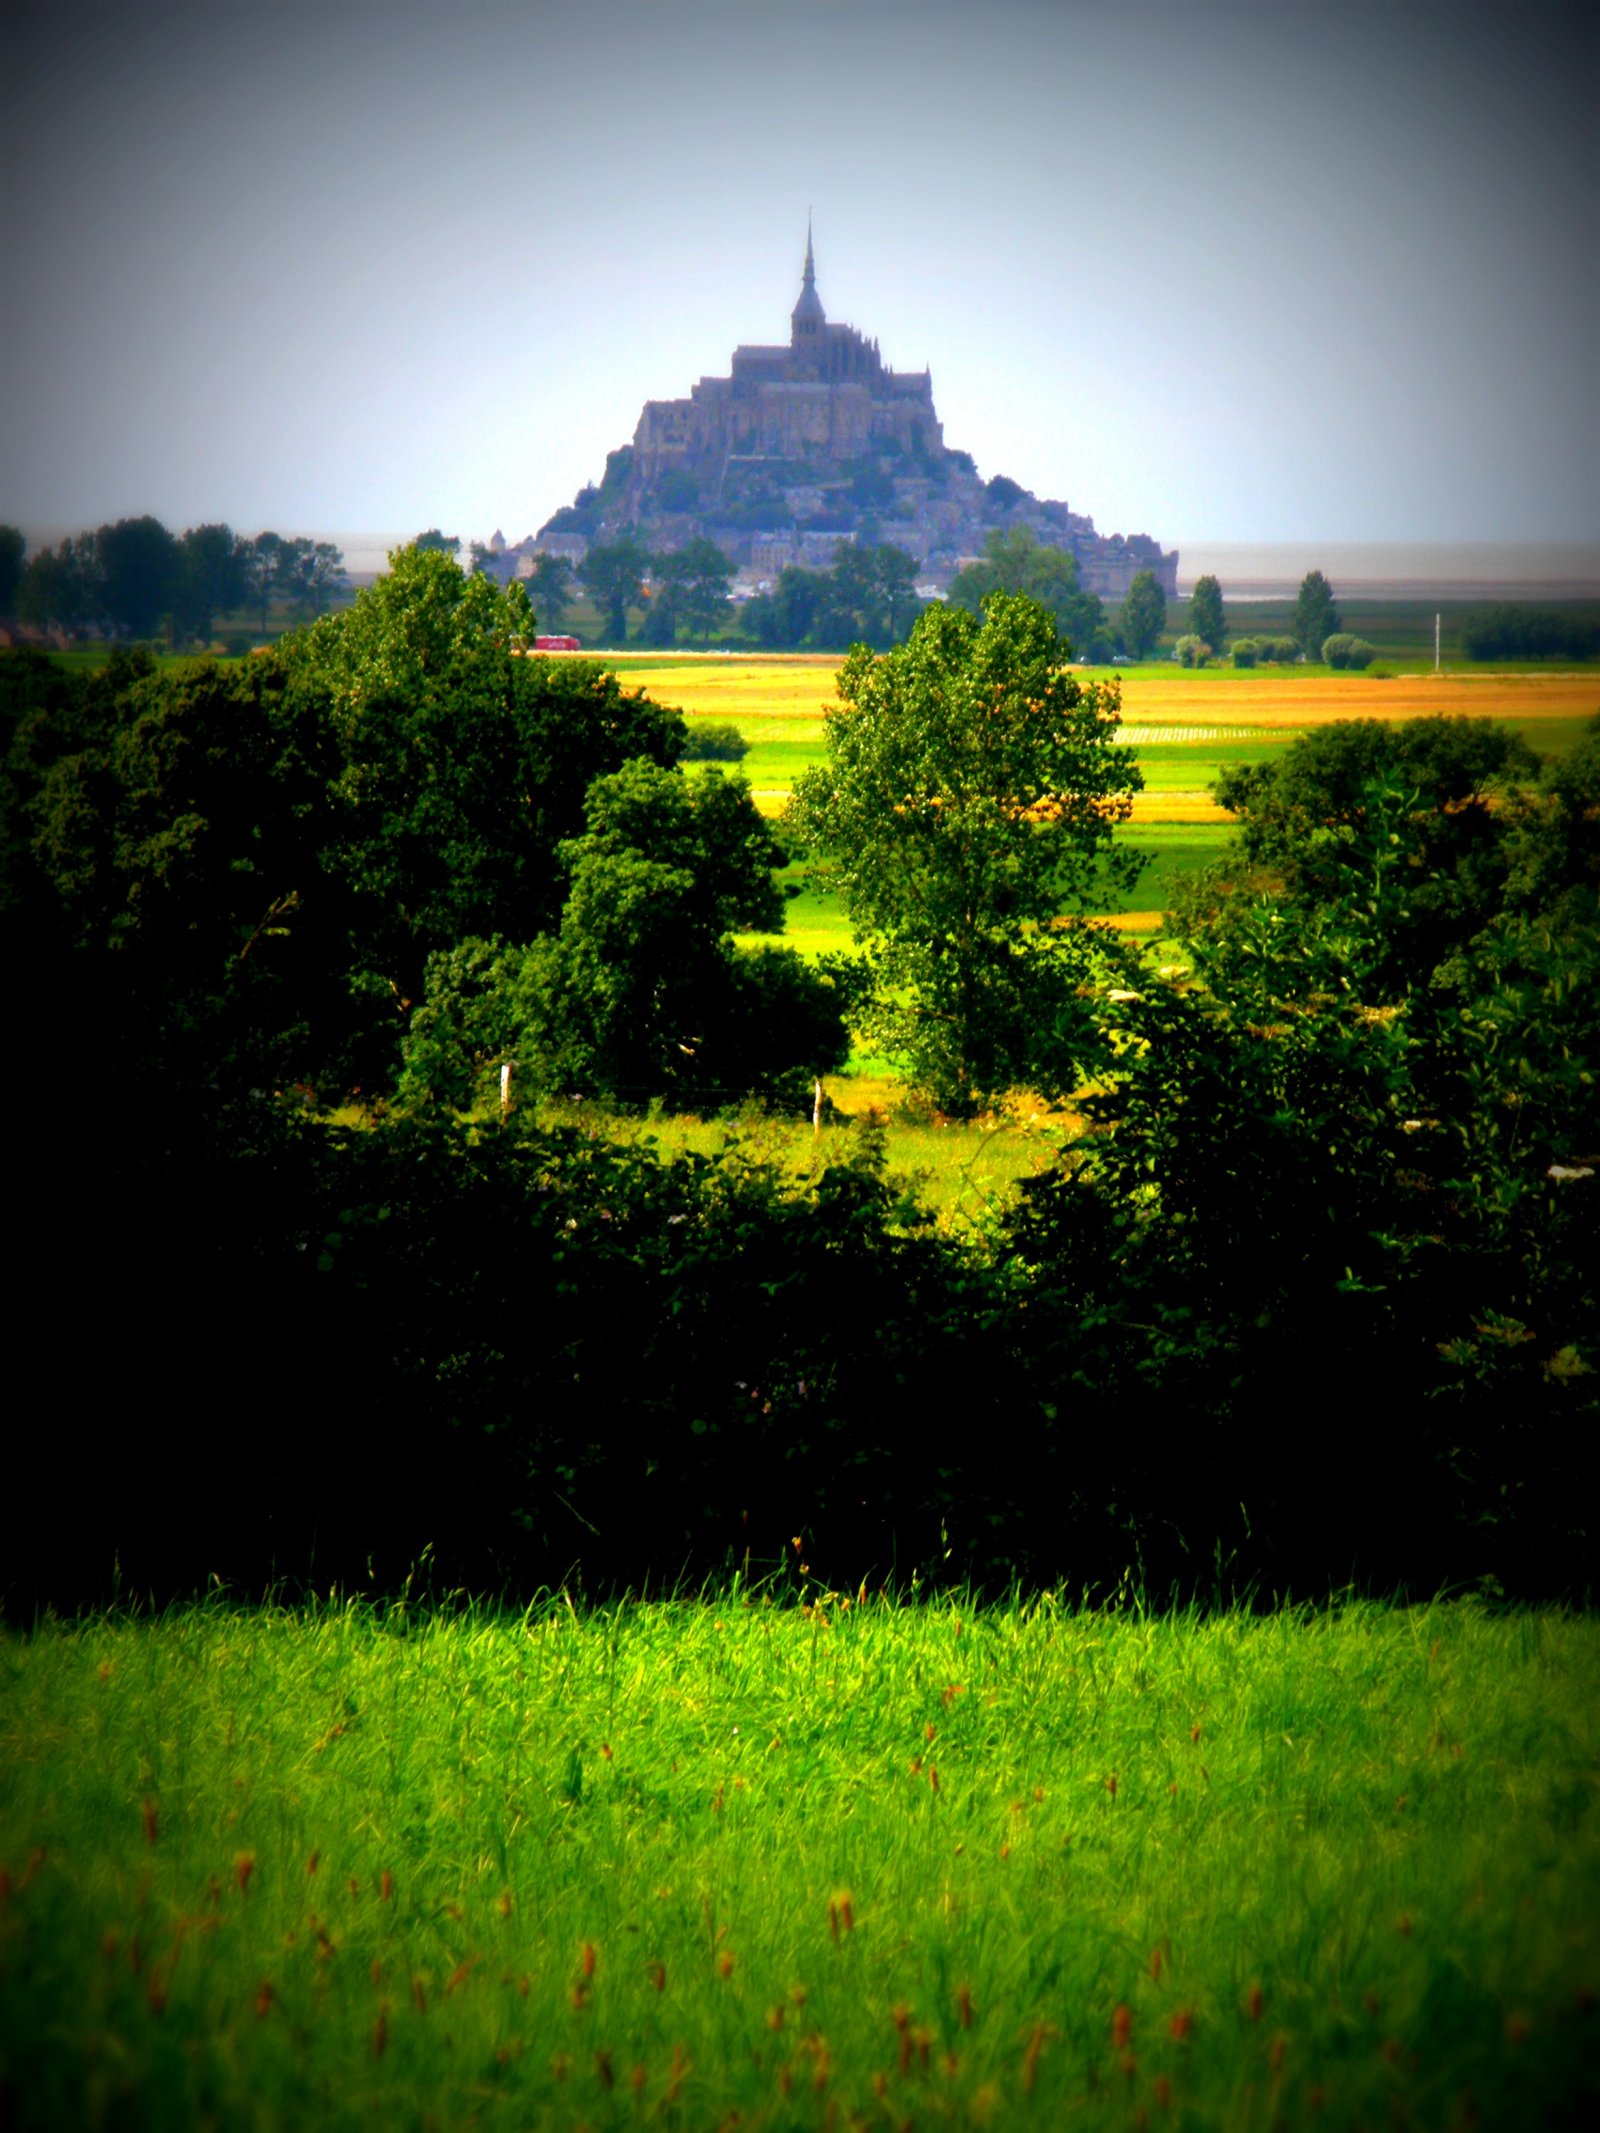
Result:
<point x="795" y="1865"/>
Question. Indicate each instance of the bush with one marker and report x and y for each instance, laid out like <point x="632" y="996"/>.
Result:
<point x="1346" y="652"/>
<point x="1246" y="651"/>
<point x="1191" y="651"/>
<point x="713" y="743"/>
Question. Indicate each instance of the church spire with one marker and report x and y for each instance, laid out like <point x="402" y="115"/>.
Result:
<point x="808" y="317"/>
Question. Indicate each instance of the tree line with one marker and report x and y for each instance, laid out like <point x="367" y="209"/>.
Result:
<point x="1346" y="1139"/>
<point x="135" y="579"/>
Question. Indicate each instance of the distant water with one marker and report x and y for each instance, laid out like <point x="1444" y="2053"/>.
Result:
<point x="1396" y="570"/>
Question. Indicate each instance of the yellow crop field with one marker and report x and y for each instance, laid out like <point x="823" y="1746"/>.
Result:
<point x="799" y="687"/>
<point x="1255" y="698"/>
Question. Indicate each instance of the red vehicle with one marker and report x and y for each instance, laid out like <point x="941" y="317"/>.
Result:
<point x="556" y="644"/>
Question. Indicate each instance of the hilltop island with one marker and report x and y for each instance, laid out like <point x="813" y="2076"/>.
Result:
<point x="815" y="441"/>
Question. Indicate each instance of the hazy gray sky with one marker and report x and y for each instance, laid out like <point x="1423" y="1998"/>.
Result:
<point x="1205" y="270"/>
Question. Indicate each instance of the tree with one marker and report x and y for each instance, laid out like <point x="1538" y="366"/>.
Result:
<point x="1316" y="614"/>
<point x="446" y="543"/>
<point x="1431" y="797"/>
<point x="261" y="572"/>
<point x="1016" y="562"/>
<point x="641" y="993"/>
<point x="968" y="798"/>
<point x="138" y="561"/>
<point x="698" y="576"/>
<point x="550" y="590"/>
<point x="210" y="578"/>
<point x="1144" y="615"/>
<point x="1206" y="619"/>
<point x="60" y="587"/>
<point x="613" y="573"/>
<point x="308" y="574"/>
<point x="13" y="547"/>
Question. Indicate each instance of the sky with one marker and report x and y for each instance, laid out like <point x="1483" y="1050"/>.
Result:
<point x="1215" y="272"/>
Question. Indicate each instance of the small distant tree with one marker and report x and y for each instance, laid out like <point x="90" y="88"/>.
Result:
<point x="13" y="547"/>
<point x="1144" y="615"/>
<point x="446" y="543"/>
<point x="1017" y="562"/>
<point x="1316" y="614"/>
<point x="550" y="590"/>
<point x="1191" y="651"/>
<point x="261" y="573"/>
<point x="1206" y="618"/>
<point x="699" y="575"/>
<point x="60" y="587"/>
<point x="138" y="561"/>
<point x="614" y="573"/>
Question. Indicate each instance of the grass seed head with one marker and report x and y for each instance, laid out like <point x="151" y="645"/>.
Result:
<point x="386" y="1887"/>
<point x="149" y="1812"/>
<point x="1121" y="2024"/>
<point x="244" y="1867"/>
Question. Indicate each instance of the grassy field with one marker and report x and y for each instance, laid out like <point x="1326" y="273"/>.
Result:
<point x="800" y="1865"/>
<point x="1188" y="727"/>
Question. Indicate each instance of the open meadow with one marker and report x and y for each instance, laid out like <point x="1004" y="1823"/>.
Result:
<point x="822" y="1861"/>
<point x="1188" y="726"/>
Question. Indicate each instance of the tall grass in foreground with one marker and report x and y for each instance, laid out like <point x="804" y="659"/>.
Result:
<point x="697" y="1865"/>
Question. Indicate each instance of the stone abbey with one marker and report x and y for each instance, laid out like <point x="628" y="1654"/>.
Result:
<point x="816" y="440"/>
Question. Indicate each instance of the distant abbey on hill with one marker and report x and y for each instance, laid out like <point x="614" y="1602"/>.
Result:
<point x="815" y="441"/>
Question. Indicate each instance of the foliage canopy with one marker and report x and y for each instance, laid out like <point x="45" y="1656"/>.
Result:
<point x="969" y="796"/>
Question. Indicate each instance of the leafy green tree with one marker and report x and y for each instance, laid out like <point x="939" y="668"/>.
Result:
<point x="1316" y="614"/>
<point x="1016" y="562"/>
<point x="641" y="993"/>
<point x="138" y="563"/>
<point x="60" y="587"/>
<point x="13" y="548"/>
<point x="262" y="575"/>
<point x="308" y="574"/>
<point x="1144" y="615"/>
<point x="968" y="797"/>
<point x="445" y="543"/>
<point x="1206" y="619"/>
<point x="699" y="575"/>
<point x="796" y="602"/>
<point x="1442" y="787"/>
<point x="550" y="590"/>
<point x="210" y="578"/>
<point x="613" y="573"/>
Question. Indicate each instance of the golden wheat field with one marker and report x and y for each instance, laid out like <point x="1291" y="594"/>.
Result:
<point x="800" y="686"/>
